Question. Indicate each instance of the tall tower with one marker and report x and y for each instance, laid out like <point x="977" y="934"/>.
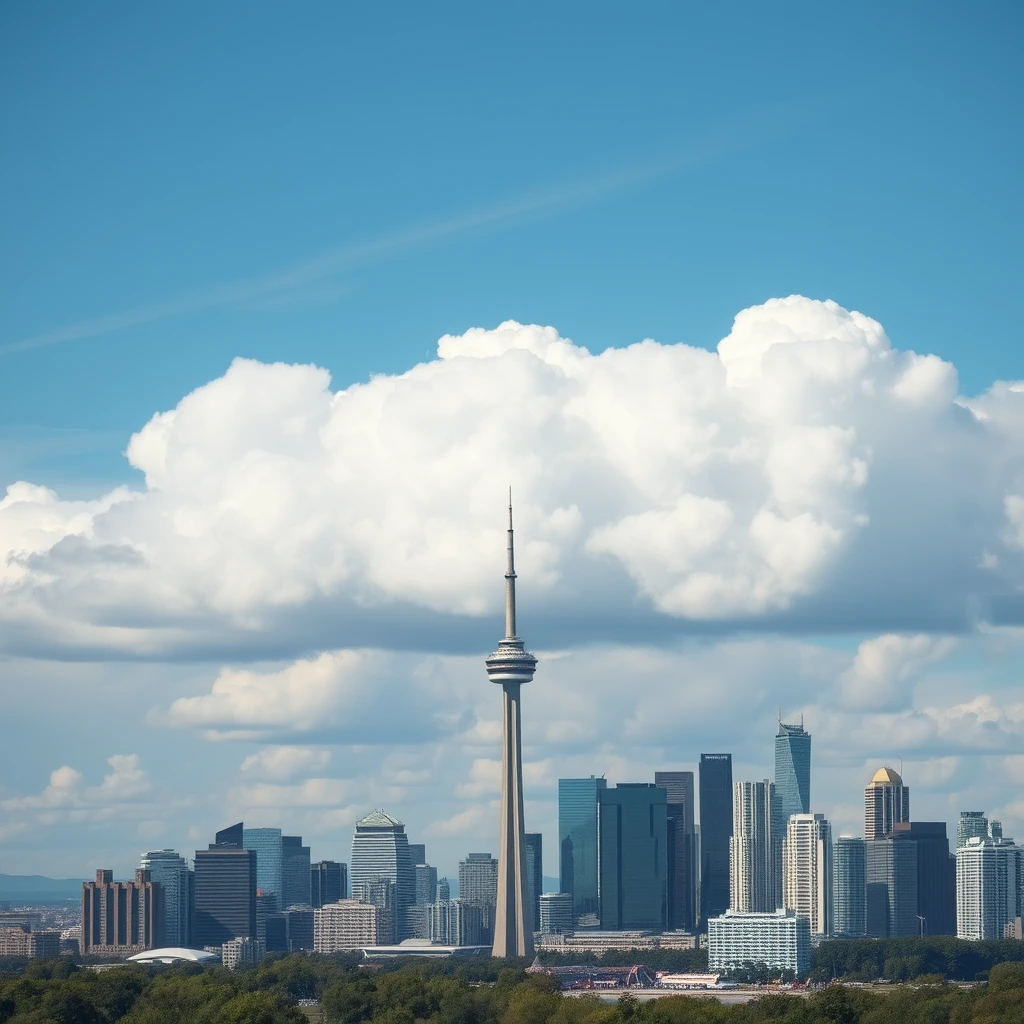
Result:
<point x="886" y="802"/>
<point x="511" y="665"/>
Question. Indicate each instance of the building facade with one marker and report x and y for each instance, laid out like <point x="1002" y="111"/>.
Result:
<point x="936" y="875"/>
<point x="268" y="845"/>
<point x="755" y="883"/>
<point x="242" y="953"/>
<point x="849" y="887"/>
<point x="348" y="924"/>
<point x="44" y="945"/>
<point x="577" y="841"/>
<point x="886" y="802"/>
<point x="556" y="913"/>
<point x="988" y="881"/>
<point x="170" y="873"/>
<point x="682" y="849"/>
<point x="891" y="884"/>
<point x="456" y="923"/>
<point x="807" y="871"/>
<point x="225" y="891"/>
<point x="715" y="782"/>
<point x="780" y="941"/>
<point x="328" y="882"/>
<point x="632" y="828"/>
<point x="425" y="877"/>
<point x="534" y="876"/>
<point x="295" y="873"/>
<point x="792" y="772"/>
<point x="118" y="918"/>
<point x="380" y="850"/>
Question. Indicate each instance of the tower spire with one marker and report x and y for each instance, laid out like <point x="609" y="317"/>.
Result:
<point x="510" y="580"/>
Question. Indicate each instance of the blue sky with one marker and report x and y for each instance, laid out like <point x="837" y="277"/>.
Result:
<point x="342" y="185"/>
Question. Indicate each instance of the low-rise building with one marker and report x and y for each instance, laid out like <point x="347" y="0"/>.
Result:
<point x="349" y="924"/>
<point x="245" y="952"/>
<point x="556" y="913"/>
<point x="779" y="941"/>
<point x="19" y="942"/>
<point x="456" y="923"/>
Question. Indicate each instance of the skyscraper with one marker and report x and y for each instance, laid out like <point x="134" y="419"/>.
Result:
<point x="173" y="891"/>
<point x="988" y="878"/>
<point x="807" y="870"/>
<point x="478" y="880"/>
<point x="534" y="876"/>
<point x="886" y="801"/>
<point x="792" y="771"/>
<point x="754" y="868"/>
<point x="380" y="850"/>
<point x="269" y="847"/>
<point x="974" y="825"/>
<point x="891" y="876"/>
<point x="715" y="830"/>
<point x="682" y="853"/>
<point x="633" y="835"/>
<point x="328" y="882"/>
<point x="295" y="872"/>
<point x="511" y="666"/>
<point x="577" y="841"/>
<point x="417" y="853"/>
<point x="426" y="885"/>
<point x="556" y="913"/>
<point x="118" y="917"/>
<point x="936" y="875"/>
<point x="225" y="890"/>
<point x="849" y="887"/>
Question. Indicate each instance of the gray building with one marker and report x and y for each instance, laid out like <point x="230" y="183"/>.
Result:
<point x="417" y="853"/>
<point x="715" y="831"/>
<point x="425" y="885"/>
<point x="268" y="845"/>
<point x="380" y="850"/>
<point x="886" y="801"/>
<point x="849" y="887"/>
<point x="974" y="825"/>
<point x="444" y="890"/>
<point x="891" y="884"/>
<point x="478" y="879"/>
<point x="632" y="820"/>
<point x="556" y="913"/>
<point x="295" y="872"/>
<point x="682" y="849"/>
<point x="169" y="870"/>
<point x="328" y="882"/>
<point x="455" y="923"/>
<point x="577" y="841"/>
<point x="755" y="871"/>
<point x="534" y="876"/>
<point x="225" y="891"/>
<point x="936" y="875"/>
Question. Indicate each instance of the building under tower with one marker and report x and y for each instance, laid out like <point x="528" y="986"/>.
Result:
<point x="380" y="853"/>
<point x="886" y="802"/>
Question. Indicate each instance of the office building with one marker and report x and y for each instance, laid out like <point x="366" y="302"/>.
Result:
<point x="456" y="923"/>
<point x="266" y="908"/>
<point x="577" y="841"/>
<point x="275" y="932"/>
<point x="225" y="890"/>
<point x="478" y="879"/>
<point x="44" y="945"/>
<point x="425" y="885"/>
<point x="988" y="883"/>
<point x="173" y="891"/>
<point x="380" y="849"/>
<point x="632" y="828"/>
<point x="444" y="891"/>
<point x="417" y="853"/>
<point x="417" y="922"/>
<point x="682" y="849"/>
<point x="349" y="924"/>
<point x="295" y="871"/>
<point x="534" y="876"/>
<point x="780" y="941"/>
<point x="754" y="868"/>
<point x="511" y="666"/>
<point x="328" y="882"/>
<point x="891" y="884"/>
<point x="715" y="782"/>
<point x="849" y="888"/>
<point x="118" y="918"/>
<point x="792" y="771"/>
<point x="974" y="825"/>
<point x="807" y="871"/>
<point x="268" y="845"/>
<point x="886" y="801"/>
<point x="384" y="894"/>
<point x="556" y="913"/>
<point x="298" y="928"/>
<point x="936" y="875"/>
<point x="236" y="953"/>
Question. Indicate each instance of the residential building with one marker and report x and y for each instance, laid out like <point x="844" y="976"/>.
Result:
<point x="478" y="884"/>
<point x="380" y="849"/>
<point x="173" y="887"/>
<point x="974" y="824"/>
<point x="268" y="845"/>
<point x="534" y="877"/>
<point x="425" y="885"/>
<point x="715" y="782"/>
<point x="236" y="953"/>
<point x="886" y="801"/>
<point x="349" y="924"/>
<point x="936" y="875"/>
<point x="44" y="945"/>
<point x="118" y="918"/>
<point x="577" y="841"/>
<point x="328" y="882"/>
<point x="988" y="887"/>
<point x="295" y="873"/>
<point x="682" y="849"/>
<point x="807" y="871"/>
<point x="556" y="913"/>
<point x="849" y="887"/>
<point x="417" y="921"/>
<point x="891" y="884"/>
<point x="780" y="941"/>
<point x="383" y="894"/>
<point x="456" y="923"/>
<point x="225" y="890"/>
<point x="444" y="890"/>
<point x="792" y="772"/>
<point x="754" y="868"/>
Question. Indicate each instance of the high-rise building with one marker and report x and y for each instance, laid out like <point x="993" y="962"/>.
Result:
<point x="384" y="894"/>
<point x="807" y="870"/>
<point x="478" y="880"/>
<point x="754" y="867"/>
<point x="328" y="882"/>
<point x="849" y="887"/>
<point x="456" y="923"/>
<point x="972" y="825"/>
<point x="534" y="876"/>
<point x="380" y="849"/>
<point x="225" y="890"/>
<point x="511" y="666"/>
<point x="243" y="952"/>
<point x="715" y="783"/>
<point x="682" y="849"/>
<point x="988" y="884"/>
<point x="349" y="924"/>
<point x="444" y="890"/>
<point x="118" y="918"/>
<point x="577" y="841"/>
<point x="173" y="891"/>
<point x="936" y="875"/>
<point x="792" y="771"/>
<point x="891" y="883"/>
<point x="417" y="853"/>
<point x="298" y="928"/>
<point x="556" y="913"/>
<point x="269" y="848"/>
<point x="295" y="872"/>
<point x="780" y="941"/>
<point x="886" y="801"/>
<point x="632" y="826"/>
<point x="425" y="885"/>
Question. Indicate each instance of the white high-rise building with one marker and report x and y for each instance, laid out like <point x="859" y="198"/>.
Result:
<point x="807" y="870"/>
<point x="780" y="941"/>
<point x="349" y="924"/>
<point x="754" y="868"/>
<point x="174" y="897"/>
<point x="988" y="897"/>
<point x="380" y="852"/>
<point x="886" y="802"/>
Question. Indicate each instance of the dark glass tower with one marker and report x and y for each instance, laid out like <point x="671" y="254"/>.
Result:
<point x="891" y="876"/>
<point x="295" y="872"/>
<point x="328" y="882"/>
<point x="849" y="892"/>
<point x="715" y="832"/>
<point x="534" y="875"/>
<point x="577" y="841"/>
<point x="936" y="875"/>
<point x="225" y="891"/>
<point x="792" y="772"/>
<point x="682" y="860"/>
<point x="633" y="858"/>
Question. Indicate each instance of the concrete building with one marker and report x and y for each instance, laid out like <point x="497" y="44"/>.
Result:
<point x="348" y="924"/>
<point x="511" y="666"/>
<point x="383" y="894"/>
<point x="755" y="883"/>
<point x="328" y="882"/>
<point x="225" y="890"/>
<point x="807" y="871"/>
<point x="716" y="793"/>
<point x="170" y="874"/>
<point x="682" y="849"/>
<point x="577" y="841"/>
<point x="886" y="801"/>
<point x="34" y="945"/>
<point x="455" y="923"/>
<point x="118" y="918"/>
<point x="534" y="876"/>
<point x="242" y="953"/>
<point x="891" y="884"/>
<point x="556" y="913"/>
<point x="380" y="850"/>
<point x="849" y="887"/>
<point x="988" y="887"/>
<point x="936" y="875"/>
<point x="780" y="941"/>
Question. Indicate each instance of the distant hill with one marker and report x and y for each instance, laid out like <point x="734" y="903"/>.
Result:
<point x="38" y="888"/>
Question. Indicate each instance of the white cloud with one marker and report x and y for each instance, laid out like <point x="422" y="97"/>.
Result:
<point x="886" y="668"/>
<point x="281" y="763"/>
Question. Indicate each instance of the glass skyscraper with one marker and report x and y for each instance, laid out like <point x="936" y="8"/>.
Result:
<point x="294" y="873"/>
<point x="225" y="891"/>
<point x="792" y="771"/>
<point x="174" y="896"/>
<point x="269" y="847"/>
<point x="534" y="876"/>
<point x="849" y="882"/>
<point x="715" y="831"/>
<point x="682" y="849"/>
<point x="577" y="841"/>
<point x="754" y="855"/>
<point x="891" y="873"/>
<point x="328" y="882"/>
<point x="632" y="825"/>
<point x="380" y="850"/>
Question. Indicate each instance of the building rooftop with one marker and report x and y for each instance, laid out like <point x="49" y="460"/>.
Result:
<point x="378" y="819"/>
<point x="172" y="955"/>
<point x="886" y="777"/>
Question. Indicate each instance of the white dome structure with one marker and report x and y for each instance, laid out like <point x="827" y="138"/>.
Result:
<point x="174" y="955"/>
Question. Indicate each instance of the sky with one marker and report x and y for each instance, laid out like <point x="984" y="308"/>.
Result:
<point x="292" y="296"/>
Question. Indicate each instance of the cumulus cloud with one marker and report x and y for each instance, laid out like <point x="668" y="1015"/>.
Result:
<point x="885" y="669"/>
<point x="805" y="472"/>
<point x="286" y="762"/>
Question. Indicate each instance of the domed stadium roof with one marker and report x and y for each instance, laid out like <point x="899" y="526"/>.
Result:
<point x="886" y="777"/>
<point x="173" y="955"/>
